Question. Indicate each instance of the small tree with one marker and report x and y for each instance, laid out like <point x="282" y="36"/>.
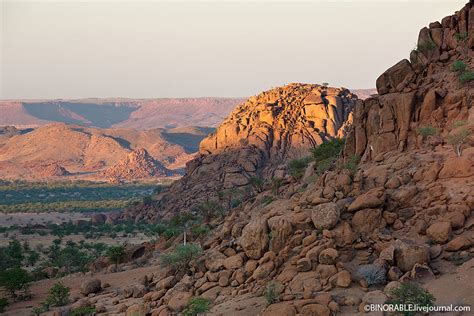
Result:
<point x="58" y="295"/>
<point x="15" y="280"/>
<point x="116" y="254"/>
<point x="458" y="138"/>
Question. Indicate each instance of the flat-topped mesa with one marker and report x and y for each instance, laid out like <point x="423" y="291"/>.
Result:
<point x="284" y="120"/>
<point x="425" y="91"/>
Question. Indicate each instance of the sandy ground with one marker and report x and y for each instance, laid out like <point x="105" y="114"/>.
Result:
<point x="24" y="219"/>
<point x="116" y="280"/>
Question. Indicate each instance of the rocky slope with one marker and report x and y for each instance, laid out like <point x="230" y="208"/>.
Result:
<point x="85" y="151"/>
<point x="258" y="139"/>
<point x="404" y="213"/>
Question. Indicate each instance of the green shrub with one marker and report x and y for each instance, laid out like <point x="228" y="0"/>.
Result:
<point x="14" y="280"/>
<point x="329" y="149"/>
<point x="352" y="164"/>
<point x="457" y="139"/>
<point x="199" y="231"/>
<point x="410" y="293"/>
<point x="276" y="185"/>
<point x="297" y="167"/>
<point x="461" y="37"/>
<point x="270" y="293"/>
<point x="459" y="66"/>
<point x="3" y="304"/>
<point x="181" y="256"/>
<point x="267" y="199"/>
<point x="58" y="295"/>
<point x="197" y="306"/>
<point x="257" y="183"/>
<point x="426" y="131"/>
<point x="467" y="76"/>
<point x="116" y="254"/>
<point x="83" y="311"/>
<point x="425" y="46"/>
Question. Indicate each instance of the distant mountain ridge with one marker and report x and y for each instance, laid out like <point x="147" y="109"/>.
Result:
<point x="61" y="149"/>
<point x="138" y="114"/>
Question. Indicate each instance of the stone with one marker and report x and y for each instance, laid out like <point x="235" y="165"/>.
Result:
<point x="328" y="256"/>
<point x="255" y="239"/>
<point x="439" y="232"/>
<point x="303" y="265"/>
<point x="371" y="199"/>
<point x="233" y="262"/>
<point x="325" y="216"/>
<point x="179" y="301"/>
<point x="137" y="310"/>
<point x="458" y="243"/>
<point x="280" y="309"/>
<point x="407" y="255"/>
<point x="91" y="286"/>
<point x="316" y="310"/>
<point x="366" y="221"/>
<point x="393" y="76"/>
<point x="343" y="278"/>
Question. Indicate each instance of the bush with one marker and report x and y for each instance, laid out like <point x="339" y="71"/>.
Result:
<point x="352" y="164"/>
<point x="297" y="167"/>
<point x="116" y="254"/>
<point x="58" y="295"/>
<point x="410" y="293"/>
<point x="329" y="149"/>
<point x="461" y="37"/>
<point x="426" y="131"/>
<point x="270" y="293"/>
<point x="197" y="306"/>
<point x="83" y="311"/>
<point x="210" y="210"/>
<point x="276" y="185"/>
<point x="199" y="231"/>
<point x="181" y="256"/>
<point x="14" y="280"/>
<point x="257" y="183"/>
<point x="3" y="304"/>
<point x="373" y="274"/>
<point x="459" y="66"/>
<point x="425" y="46"/>
<point x="467" y="76"/>
<point x="457" y="139"/>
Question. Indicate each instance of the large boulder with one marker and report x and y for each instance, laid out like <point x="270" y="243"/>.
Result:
<point x="394" y="76"/>
<point x="409" y="254"/>
<point x="91" y="286"/>
<point x="325" y="216"/>
<point x="439" y="231"/>
<point x="255" y="239"/>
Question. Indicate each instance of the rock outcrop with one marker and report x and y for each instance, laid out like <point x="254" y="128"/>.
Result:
<point x="137" y="165"/>
<point x="258" y="139"/>
<point x="52" y="170"/>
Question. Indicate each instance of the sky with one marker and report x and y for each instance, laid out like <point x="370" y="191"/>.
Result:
<point x="153" y="49"/>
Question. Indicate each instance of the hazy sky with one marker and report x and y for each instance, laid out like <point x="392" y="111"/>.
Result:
<point x="75" y="49"/>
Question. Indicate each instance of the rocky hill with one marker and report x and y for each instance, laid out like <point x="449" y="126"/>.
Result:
<point x="258" y="139"/>
<point x="396" y="207"/>
<point x="137" y="165"/>
<point x="86" y="151"/>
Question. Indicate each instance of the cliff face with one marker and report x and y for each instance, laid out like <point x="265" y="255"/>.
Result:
<point x="425" y="91"/>
<point x="258" y="139"/>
